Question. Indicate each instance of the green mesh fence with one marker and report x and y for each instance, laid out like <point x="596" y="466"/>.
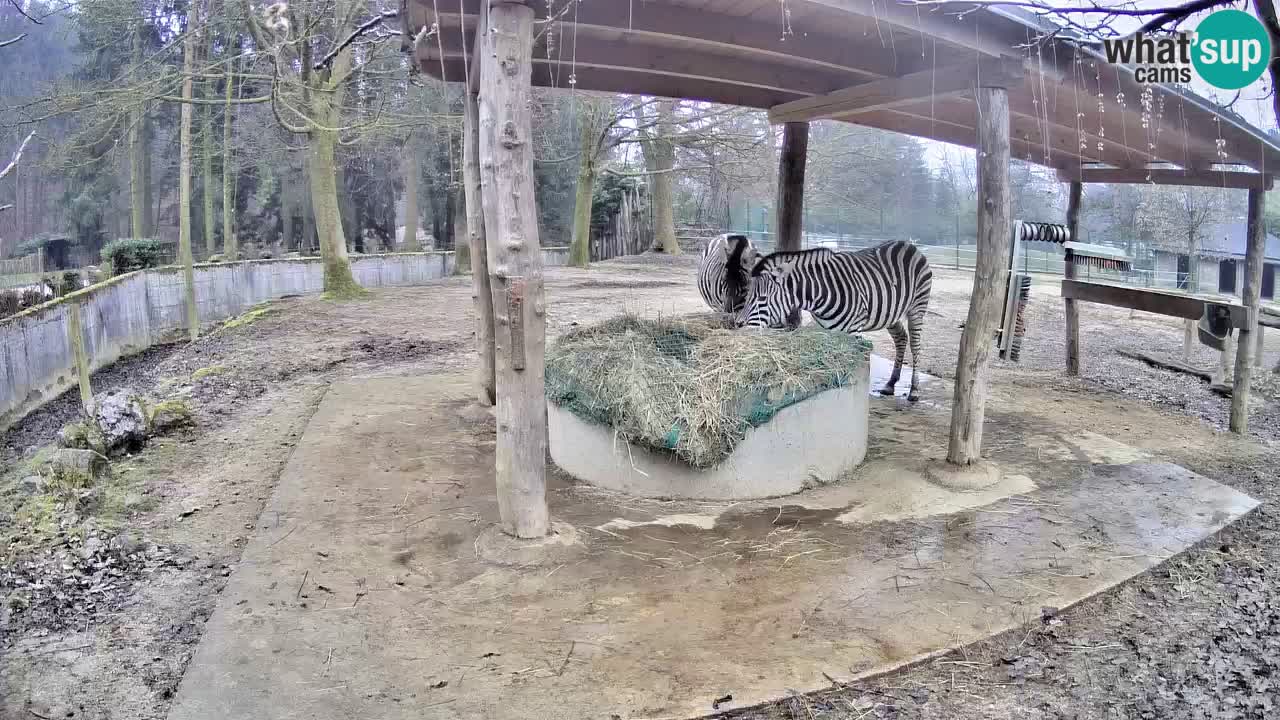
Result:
<point x="691" y="384"/>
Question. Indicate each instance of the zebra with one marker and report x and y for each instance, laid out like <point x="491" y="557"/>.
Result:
<point x="872" y="289"/>
<point x="725" y="291"/>
<point x="724" y="272"/>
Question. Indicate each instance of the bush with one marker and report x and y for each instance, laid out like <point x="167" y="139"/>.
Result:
<point x="129" y="254"/>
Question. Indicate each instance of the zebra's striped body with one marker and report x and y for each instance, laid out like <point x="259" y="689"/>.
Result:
<point x="874" y="289"/>
<point x="724" y="273"/>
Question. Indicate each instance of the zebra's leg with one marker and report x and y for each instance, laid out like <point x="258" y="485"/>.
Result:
<point x="899" y="335"/>
<point x="915" y="325"/>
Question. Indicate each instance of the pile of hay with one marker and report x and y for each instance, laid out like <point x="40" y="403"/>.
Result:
<point x="692" y="384"/>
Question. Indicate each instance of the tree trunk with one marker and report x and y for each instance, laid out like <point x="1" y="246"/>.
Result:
<point x="411" y="214"/>
<point x="481" y="294"/>
<point x="137" y="152"/>
<point x="322" y="140"/>
<point x="338" y="280"/>
<point x="309" y="242"/>
<point x="288" y="206"/>
<point x="184" y="175"/>
<point x="230" y="245"/>
<point x="515" y="266"/>
<point x="151" y="216"/>
<point x="1251" y="297"/>
<point x="790" y="202"/>
<point x="206" y="183"/>
<point x="969" y="402"/>
<point x="580" y="245"/>
<point x="1069" y="272"/>
<point x="660" y="159"/>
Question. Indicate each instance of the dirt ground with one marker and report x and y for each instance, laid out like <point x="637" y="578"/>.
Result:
<point x="1199" y="637"/>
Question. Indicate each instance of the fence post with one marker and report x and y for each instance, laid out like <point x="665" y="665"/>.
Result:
<point x="40" y="260"/>
<point x="75" y="336"/>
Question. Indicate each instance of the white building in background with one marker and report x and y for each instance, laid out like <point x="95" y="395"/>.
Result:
<point x="1220" y="262"/>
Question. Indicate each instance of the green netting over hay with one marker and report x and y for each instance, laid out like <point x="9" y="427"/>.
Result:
<point x="692" y="384"/>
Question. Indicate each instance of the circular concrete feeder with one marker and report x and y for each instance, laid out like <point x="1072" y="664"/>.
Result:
<point x="812" y="442"/>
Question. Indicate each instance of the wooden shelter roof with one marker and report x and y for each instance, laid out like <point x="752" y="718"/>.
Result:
<point x="908" y="69"/>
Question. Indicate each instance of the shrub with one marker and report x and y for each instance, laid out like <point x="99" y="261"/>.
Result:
<point x="129" y="254"/>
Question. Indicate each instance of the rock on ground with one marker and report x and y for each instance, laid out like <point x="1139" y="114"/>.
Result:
<point x="122" y="418"/>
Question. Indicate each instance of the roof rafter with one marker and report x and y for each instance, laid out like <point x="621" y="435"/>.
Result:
<point x="897" y="91"/>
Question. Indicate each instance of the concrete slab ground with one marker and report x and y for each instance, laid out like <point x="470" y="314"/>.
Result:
<point x="365" y="592"/>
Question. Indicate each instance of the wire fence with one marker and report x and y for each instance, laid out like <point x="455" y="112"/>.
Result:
<point x="21" y="271"/>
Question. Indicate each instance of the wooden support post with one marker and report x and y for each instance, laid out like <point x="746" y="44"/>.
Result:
<point x="515" y="267"/>
<point x="1223" y="374"/>
<point x="1251" y="298"/>
<point x="1069" y="272"/>
<point x="791" y="163"/>
<point x="1258" y="346"/>
<point x="75" y="337"/>
<point x="481" y="293"/>
<point x="1188" y="338"/>
<point x="969" y="401"/>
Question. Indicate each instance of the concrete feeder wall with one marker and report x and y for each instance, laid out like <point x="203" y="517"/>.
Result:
<point x="810" y="443"/>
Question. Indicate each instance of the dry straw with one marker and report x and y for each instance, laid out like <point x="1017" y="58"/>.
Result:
<point x="692" y="384"/>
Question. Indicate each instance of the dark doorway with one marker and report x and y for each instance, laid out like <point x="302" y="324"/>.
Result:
<point x="1268" y="281"/>
<point x="1184" y="271"/>
<point x="1227" y="277"/>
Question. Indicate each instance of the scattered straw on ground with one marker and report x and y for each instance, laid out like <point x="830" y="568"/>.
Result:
<point x="692" y="384"/>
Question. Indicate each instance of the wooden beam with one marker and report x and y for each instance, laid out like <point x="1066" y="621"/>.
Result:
<point x="740" y="37"/>
<point x="515" y="269"/>
<point x="934" y="22"/>
<point x="625" y="52"/>
<point x="1233" y="179"/>
<point x="1251" y="296"/>
<point x="968" y="405"/>
<point x="789" y="212"/>
<point x="1074" y="197"/>
<point x="481" y="292"/>
<point x="632" y="82"/>
<point x="1159" y="302"/>
<point x="899" y="91"/>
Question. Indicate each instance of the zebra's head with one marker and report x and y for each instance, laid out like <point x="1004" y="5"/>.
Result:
<point x="774" y="295"/>
<point x="740" y="257"/>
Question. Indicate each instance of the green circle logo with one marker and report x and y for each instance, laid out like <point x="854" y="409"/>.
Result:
<point x="1231" y="49"/>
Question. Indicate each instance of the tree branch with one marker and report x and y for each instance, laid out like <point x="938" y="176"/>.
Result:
<point x="10" y="41"/>
<point x="17" y="156"/>
<point x="24" y="14"/>
<point x="362" y="29"/>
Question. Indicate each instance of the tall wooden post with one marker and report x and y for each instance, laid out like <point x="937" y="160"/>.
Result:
<point x="969" y="401"/>
<point x="1251" y="296"/>
<point x="1259" y="345"/>
<point x="75" y="336"/>
<point x="789" y="214"/>
<point x="515" y="267"/>
<point x="1069" y="272"/>
<point x="481" y="293"/>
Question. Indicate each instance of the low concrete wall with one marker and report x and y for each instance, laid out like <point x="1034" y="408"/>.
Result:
<point x="810" y="443"/>
<point x="132" y="312"/>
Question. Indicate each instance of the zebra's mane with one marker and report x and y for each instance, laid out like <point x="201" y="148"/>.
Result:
<point x="786" y="255"/>
<point x="735" y="280"/>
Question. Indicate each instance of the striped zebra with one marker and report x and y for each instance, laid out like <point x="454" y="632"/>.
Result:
<point x="724" y="272"/>
<point x="872" y="289"/>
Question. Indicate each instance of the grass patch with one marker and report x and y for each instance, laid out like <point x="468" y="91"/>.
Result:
<point x="205" y="372"/>
<point x="248" y="318"/>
